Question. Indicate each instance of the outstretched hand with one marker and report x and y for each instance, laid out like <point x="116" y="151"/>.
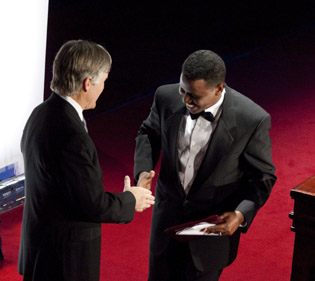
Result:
<point x="145" y="179"/>
<point x="144" y="197"/>
<point x="232" y="221"/>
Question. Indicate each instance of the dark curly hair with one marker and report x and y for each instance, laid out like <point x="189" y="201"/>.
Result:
<point x="206" y="65"/>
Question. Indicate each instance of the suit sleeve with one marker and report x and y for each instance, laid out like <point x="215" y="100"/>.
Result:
<point x="148" y="141"/>
<point x="80" y="176"/>
<point x="259" y="171"/>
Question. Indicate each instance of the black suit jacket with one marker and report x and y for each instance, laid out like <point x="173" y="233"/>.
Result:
<point x="236" y="173"/>
<point x="65" y="199"/>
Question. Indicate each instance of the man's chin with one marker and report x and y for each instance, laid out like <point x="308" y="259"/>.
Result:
<point x="90" y="107"/>
<point x="193" y="109"/>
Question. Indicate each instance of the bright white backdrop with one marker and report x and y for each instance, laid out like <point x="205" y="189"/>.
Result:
<point x="23" y="30"/>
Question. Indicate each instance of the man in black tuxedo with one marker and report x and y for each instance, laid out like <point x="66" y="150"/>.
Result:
<point x="216" y="159"/>
<point x="65" y="198"/>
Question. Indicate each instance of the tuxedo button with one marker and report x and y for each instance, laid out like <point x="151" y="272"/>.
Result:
<point x="186" y="203"/>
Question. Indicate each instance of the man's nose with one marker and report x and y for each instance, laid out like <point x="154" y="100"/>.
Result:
<point x="186" y="98"/>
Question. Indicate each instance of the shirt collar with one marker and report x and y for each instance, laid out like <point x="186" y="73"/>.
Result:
<point x="76" y="106"/>
<point x="215" y="108"/>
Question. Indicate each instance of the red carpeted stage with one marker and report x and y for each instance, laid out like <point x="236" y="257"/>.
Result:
<point x="280" y="78"/>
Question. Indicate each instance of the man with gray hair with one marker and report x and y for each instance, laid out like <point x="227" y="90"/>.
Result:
<point x="65" y="199"/>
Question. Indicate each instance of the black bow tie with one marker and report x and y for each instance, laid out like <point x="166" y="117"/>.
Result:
<point x="207" y="115"/>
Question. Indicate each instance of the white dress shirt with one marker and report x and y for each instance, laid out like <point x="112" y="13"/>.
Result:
<point x="194" y="137"/>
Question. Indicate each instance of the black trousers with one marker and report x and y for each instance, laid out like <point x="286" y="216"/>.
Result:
<point x="177" y="265"/>
<point x="67" y="263"/>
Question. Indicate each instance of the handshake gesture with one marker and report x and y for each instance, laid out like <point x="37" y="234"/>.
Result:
<point x="144" y="197"/>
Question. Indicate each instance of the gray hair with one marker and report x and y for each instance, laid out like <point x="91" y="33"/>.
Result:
<point x="75" y="61"/>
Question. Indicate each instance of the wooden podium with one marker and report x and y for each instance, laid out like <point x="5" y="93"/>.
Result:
<point x="303" y="216"/>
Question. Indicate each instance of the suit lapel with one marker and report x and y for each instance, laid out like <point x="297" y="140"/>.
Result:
<point x="221" y="140"/>
<point x="173" y="124"/>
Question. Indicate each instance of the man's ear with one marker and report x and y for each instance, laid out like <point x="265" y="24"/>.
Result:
<point x="220" y="88"/>
<point x="86" y="84"/>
